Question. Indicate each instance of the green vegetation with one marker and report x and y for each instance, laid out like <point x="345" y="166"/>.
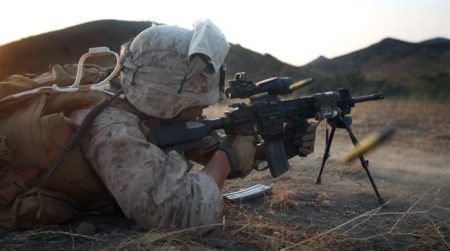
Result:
<point x="435" y="88"/>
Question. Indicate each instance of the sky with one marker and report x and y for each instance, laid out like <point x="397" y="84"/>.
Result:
<point x="294" y="31"/>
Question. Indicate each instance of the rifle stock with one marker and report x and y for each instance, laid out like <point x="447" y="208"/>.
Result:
<point x="170" y="136"/>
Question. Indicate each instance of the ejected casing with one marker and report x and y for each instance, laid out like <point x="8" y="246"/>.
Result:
<point x="368" y="143"/>
<point x="300" y="84"/>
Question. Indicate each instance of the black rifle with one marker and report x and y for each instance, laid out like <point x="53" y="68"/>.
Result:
<point x="267" y="116"/>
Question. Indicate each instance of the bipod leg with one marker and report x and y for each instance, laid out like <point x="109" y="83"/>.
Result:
<point x="326" y="155"/>
<point x="364" y="162"/>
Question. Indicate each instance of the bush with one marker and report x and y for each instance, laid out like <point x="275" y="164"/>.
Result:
<point x="431" y="88"/>
<point x="435" y="87"/>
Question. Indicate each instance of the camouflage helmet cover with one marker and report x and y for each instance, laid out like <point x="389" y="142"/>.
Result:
<point x="168" y="68"/>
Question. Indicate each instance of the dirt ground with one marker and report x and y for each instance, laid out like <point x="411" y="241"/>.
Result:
<point x="411" y="171"/>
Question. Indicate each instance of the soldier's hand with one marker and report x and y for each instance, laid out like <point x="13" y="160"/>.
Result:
<point x="304" y="138"/>
<point x="240" y="151"/>
<point x="299" y="138"/>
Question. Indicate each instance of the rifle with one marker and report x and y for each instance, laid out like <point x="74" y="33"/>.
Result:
<point x="267" y="115"/>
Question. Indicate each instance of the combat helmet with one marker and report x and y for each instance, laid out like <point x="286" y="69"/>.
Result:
<point x="169" y="68"/>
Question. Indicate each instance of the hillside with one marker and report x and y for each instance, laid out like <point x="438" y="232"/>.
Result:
<point x="394" y="66"/>
<point x="35" y="54"/>
<point x="411" y="168"/>
<point x="391" y="59"/>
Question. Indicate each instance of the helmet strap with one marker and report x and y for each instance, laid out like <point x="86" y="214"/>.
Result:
<point x="182" y="83"/>
<point x="134" y="74"/>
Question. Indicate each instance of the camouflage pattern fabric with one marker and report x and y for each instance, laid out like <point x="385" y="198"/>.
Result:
<point x="157" y="75"/>
<point x="151" y="186"/>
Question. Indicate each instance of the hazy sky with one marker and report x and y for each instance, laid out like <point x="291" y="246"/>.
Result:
<point x="294" y="31"/>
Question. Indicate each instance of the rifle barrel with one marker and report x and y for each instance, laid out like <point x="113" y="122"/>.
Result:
<point x="370" y="97"/>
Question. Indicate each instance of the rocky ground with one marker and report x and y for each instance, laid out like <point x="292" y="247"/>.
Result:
<point x="411" y="171"/>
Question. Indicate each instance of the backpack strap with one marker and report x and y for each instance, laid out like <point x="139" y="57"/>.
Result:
<point x="80" y="132"/>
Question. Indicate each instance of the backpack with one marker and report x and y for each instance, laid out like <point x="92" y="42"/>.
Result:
<point x="38" y="186"/>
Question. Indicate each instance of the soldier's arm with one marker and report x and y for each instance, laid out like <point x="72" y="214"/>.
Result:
<point x="150" y="186"/>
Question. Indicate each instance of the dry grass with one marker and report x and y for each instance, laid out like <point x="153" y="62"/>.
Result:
<point x="418" y="123"/>
<point x="282" y="198"/>
<point x="258" y="230"/>
<point x="353" y="169"/>
<point x="412" y="220"/>
<point x="240" y="226"/>
<point x="250" y="229"/>
<point x="184" y="239"/>
<point x="267" y="234"/>
<point x="431" y="233"/>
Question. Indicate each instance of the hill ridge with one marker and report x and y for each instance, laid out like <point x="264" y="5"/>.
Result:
<point x="390" y="64"/>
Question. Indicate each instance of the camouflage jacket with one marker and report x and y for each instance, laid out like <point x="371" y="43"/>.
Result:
<point x="151" y="186"/>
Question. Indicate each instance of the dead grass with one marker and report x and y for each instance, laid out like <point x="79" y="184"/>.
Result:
<point x="251" y="229"/>
<point x="184" y="239"/>
<point x="416" y="220"/>
<point x="424" y="224"/>
<point x="260" y="231"/>
<point x="423" y="124"/>
<point x="354" y="168"/>
<point x="432" y="233"/>
<point x="282" y="199"/>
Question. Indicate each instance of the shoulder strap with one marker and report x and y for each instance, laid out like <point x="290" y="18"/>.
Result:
<point x="75" y="138"/>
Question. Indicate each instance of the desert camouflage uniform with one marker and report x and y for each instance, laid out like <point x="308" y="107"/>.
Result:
<point x="165" y="70"/>
<point x="151" y="186"/>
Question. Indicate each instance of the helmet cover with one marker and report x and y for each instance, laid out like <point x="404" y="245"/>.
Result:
<point x="169" y="68"/>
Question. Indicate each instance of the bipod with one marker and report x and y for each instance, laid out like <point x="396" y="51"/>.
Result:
<point x="345" y="122"/>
